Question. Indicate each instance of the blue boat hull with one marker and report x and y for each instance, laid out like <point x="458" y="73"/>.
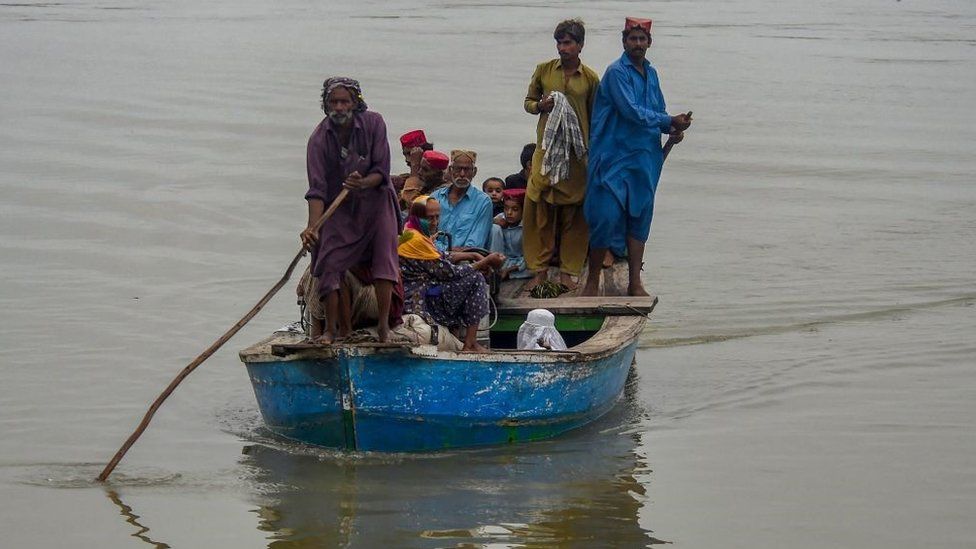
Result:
<point x="400" y="402"/>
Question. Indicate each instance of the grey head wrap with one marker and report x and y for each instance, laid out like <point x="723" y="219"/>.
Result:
<point x="350" y="84"/>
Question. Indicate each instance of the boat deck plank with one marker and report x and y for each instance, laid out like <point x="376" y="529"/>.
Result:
<point x="608" y="305"/>
<point x="513" y="299"/>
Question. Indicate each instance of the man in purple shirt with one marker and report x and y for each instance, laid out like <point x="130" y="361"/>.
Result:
<point x="349" y="150"/>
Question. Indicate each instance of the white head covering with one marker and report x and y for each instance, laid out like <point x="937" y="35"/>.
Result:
<point x="539" y="332"/>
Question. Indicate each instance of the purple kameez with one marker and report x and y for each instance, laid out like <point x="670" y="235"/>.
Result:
<point x="365" y="227"/>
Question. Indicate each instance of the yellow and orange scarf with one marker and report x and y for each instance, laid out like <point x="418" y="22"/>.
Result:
<point x="416" y="245"/>
<point x="414" y="242"/>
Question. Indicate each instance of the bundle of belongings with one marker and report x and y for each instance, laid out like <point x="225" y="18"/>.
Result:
<point x="412" y="329"/>
<point x="538" y="332"/>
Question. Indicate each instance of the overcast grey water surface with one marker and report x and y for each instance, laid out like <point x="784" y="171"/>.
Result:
<point x="808" y="380"/>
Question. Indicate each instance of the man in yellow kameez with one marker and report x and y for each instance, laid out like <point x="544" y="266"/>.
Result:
<point x="553" y="209"/>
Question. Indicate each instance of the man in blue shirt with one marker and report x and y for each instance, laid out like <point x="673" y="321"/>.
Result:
<point x="626" y="156"/>
<point x="465" y="210"/>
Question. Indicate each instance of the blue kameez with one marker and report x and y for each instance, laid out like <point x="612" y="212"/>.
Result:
<point x="508" y="242"/>
<point x="468" y="221"/>
<point x="626" y="155"/>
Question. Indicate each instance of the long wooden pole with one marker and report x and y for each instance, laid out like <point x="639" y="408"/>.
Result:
<point x="216" y="345"/>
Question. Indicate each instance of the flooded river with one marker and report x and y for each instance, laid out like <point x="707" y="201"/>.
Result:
<point x="808" y="379"/>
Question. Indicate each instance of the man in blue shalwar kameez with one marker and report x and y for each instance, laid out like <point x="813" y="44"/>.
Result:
<point x="626" y="156"/>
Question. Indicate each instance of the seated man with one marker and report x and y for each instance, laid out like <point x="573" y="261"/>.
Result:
<point x="429" y="177"/>
<point x="465" y="210"/>
<point x="411" y="190"/>
<point x="410" y="141"/>
<point x="430" y="173"/>
<point x="480" y="262"/>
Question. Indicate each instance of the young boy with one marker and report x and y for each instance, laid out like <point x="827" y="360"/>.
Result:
<point x="494" y="187"/>
<point x="506" y="235"/>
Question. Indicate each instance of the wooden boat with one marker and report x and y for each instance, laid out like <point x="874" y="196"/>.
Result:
<point x="401" y="398"/>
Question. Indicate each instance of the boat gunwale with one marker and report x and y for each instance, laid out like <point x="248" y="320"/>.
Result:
<point x="616" y="332"/>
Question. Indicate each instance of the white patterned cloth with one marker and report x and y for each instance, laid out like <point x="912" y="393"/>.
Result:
<point x="538" y="332"/>
<point x="561" y="136"/>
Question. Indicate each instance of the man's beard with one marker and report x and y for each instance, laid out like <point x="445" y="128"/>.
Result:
<point x="340" y="118"/>
<point x="462" y="183"/>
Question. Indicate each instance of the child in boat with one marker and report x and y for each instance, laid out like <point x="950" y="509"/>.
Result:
<point x="494" y="187"/>
<point x="506" y="235"/>
<point x="539" y="333"/>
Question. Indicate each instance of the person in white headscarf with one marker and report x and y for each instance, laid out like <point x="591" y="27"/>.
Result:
<point x="538" y="332"/>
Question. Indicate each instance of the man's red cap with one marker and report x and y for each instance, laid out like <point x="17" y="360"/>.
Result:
<point x="413" y="138"/>
<point x="638" y="23"/>
<point x="437" y="159"/>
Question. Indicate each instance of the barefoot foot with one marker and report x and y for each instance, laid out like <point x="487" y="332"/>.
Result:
<point x="637" y="289"/>
<point x="474" y="348"/>
<point x="324" y="339"/>
<point x="592" y="287"/>
<point x="539" y="278"/>
<point x="566" y="279"/>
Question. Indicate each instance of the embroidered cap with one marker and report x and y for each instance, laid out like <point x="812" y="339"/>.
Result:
<point x="638" y="23"/>
<point x="413" y="138"/>
<point x="436" y="159"/>
<point x="459" y="153"/>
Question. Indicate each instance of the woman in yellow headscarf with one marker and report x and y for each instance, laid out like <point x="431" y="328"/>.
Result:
<point x="455" y="296"/>
<point x="415" y="242"/>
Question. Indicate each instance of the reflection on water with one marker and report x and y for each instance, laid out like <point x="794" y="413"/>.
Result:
<point x="82" y="475"/>
<point x="143" y="531"/>
<point x="578" y="490"/>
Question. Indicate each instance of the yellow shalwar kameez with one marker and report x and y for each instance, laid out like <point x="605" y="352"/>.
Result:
<point x="552" y="210"/>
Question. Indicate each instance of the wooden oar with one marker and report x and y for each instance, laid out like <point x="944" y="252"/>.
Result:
<point x="216" y="345"/>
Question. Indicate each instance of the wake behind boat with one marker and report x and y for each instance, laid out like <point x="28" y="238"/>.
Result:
<point x="394" y="397"/>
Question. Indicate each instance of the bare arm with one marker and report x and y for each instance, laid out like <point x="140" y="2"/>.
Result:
<point x="492" y="260"/>
<point x="310" y="237"/>
<point x="673" y="140"/>
<point x="458" y="255"/>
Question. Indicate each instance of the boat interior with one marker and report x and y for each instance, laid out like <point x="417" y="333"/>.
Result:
<point x="577" y="318"/>
<point x="613" y="315"/>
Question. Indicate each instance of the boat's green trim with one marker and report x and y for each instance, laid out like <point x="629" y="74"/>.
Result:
<point x="348" y="407"/>
<point x="564" y="323"/>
